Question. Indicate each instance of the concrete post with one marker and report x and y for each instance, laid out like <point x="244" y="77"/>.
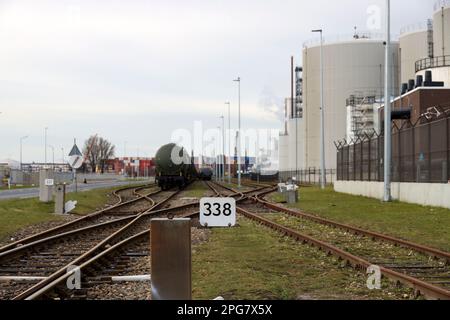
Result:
<point x="46" y="183"/>
<point x="60" y="199"/>
<point x="170" y="242"/>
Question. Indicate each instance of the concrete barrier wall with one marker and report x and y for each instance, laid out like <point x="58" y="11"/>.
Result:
<point x="426" y="194"/>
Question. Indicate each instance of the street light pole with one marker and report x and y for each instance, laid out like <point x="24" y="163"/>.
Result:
<point x="45" y="139"/>
<point x="124" y="155"/>
<point x="229" y="142"/>
<point x="238" y="80"/>
<point x="223" y="148"/>
<point x="387" y="108"/>
<point x="53" y="156"/>
<point x="21" y="142"/>
<point x="322" y="117"/>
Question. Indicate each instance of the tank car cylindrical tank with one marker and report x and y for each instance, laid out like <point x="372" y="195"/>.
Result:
<point x="205" y="174"/>
<point x="174" y="167"/>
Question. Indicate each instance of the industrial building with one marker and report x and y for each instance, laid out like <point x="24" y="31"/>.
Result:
<point x="426" y="47"/>
<point x="352" y="65"/>
<point x="131" y="166"/>
<point x="420" y="164"/>
<point x="362" y="116"/>
<point x="354" y="87"/>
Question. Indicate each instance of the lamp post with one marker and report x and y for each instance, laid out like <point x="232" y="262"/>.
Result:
<point x="21" y="143"/>
<point x="219" y="157"/>
<point x="223" y="148"/>
<point x="45" y="142"/>
<point x="124" y="156"/>
<point x="387" y="108"/>
<point x="238" y="80"/>
<point x="229" y="142"/>
<point x="53" y="157"/>
<point x="322" y="117"/>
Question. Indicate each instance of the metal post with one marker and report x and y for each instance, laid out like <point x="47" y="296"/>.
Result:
<point x="170" y="242"/>
<point x="223" y="148"/>
<point x="294" y="116"/>
<point x="45" y="139"/>
<point x="448" y="148"/>
<point x="370" y="159"/>
<point x="238" y="80"/>
<point x="21" y="145"/>
<point x="229" y="142"/>
<point x="387" y="109"/>
<point x="75" y="179"/>
<point x="124" y="156"/>
<point x="53" y="156"/>
<point x="322" y="116"/>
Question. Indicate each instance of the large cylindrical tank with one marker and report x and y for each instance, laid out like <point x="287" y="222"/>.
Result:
<point x="441" y="27"/>
<point x="413" y="47"/>
<point x="350" y="67"/>
<point x="172" y="160"/>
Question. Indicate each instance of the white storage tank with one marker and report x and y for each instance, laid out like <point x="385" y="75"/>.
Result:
<point x="292" y="141"/>
<point x="414" y="42"/>
<point x="350" y="66"/>
<point x="441" y="27"/>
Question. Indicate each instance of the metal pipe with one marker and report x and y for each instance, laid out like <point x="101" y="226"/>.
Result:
<point x="387" y="109"/>
<point x="140" y="278"/>
<point x="20" y="279"/>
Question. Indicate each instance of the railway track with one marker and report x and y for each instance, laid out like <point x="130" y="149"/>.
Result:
<point x="424" y="269"/>
<point x="29" y="266"/>
<point x="427" y="271"/>
<point x="132" y="243"/>
<point x="128" y="201"/>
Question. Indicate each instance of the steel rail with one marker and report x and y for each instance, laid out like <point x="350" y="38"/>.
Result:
<point x="422" y="287"/>
<point x="104" y="243"/>
<point x="63" y="277"/>
<point x="436" y="253"/>
<point x="45" y="233"/>
<point x="42" y="291"/>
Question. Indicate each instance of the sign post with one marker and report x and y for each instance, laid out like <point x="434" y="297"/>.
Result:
<point x="75" y="162"/>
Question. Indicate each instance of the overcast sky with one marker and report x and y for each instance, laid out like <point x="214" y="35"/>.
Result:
<point x="136" y="70"/>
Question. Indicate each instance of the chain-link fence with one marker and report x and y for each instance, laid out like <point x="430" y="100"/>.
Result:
<point x="308" y="176"/>
<point x="420" y="153"/>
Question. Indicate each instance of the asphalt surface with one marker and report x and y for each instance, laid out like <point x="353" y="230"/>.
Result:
<point x="34" y="192"/>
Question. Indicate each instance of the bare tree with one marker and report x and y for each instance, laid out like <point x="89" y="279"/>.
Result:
<point x="97" y="150"/>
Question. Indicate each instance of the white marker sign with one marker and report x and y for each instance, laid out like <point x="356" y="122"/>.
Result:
<point x="49" y="182"/>
<point x="218" y="212"/>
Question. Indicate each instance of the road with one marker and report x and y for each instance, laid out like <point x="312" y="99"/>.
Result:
<point x="34" y="192"/>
